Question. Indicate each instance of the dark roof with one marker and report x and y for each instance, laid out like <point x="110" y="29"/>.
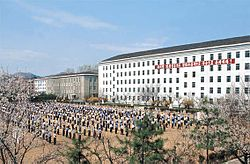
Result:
<point x="68" y="74"/>
<point x="206" y="44"/>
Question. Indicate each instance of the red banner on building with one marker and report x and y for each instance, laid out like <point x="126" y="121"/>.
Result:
<point x="196" y="63"/>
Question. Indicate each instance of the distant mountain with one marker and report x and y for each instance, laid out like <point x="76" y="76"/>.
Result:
<point x="26" y="75"/>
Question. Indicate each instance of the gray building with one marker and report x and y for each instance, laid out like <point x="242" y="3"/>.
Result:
<point x="73" y="85"/>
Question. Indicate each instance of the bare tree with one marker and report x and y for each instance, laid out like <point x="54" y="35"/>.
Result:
<point x="235" y="108"/>
<point x="15" y="124"/>
<point x="87" y="67"/>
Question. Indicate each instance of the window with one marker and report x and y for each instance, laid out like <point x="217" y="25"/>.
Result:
<point x="153" y="80"/>
<point x="247" y="90"/>
<point x="237" y="90"/>
<point x="211" y="68"/>
<point x="153" y="62"/>
<point x="247" y="78"/>
<point x="177" y="60"/>
<point x="228" y="67"/>
<point x="247" y="54"/>
<point x="193" y="74"/>
<point x="159" y="71"/>
<point x="185" y="74"/>
<point x="170" y="61"/>
<point x="185" y="59"/>
<point x="147" y="63"/>
<point x="138" y="73"/>
<point x="177" y="80"/>
<point x="193" y="84"/>
<point x="211" y="79"/>
<point x="148" y="81"/>
<point x="219" y="67"/>
<point x="211" y="90"/>
<point x="185" y="93"/>
<point x="238" y="54"/>
<point x="158" y="80"/>
<point x="202" y="57"/>
<point x="247" y="66"/>
<point x="177" y="88"/>
<point x="228" y="90"/>
<point x="170" y="90"/>
<point x="202" y="79"/>
<point x="177" y="95"/>
<point x="165" y="80"/>
<point x="211" y="56"/>
<point x="237" y="66"/>
<point x="170" y="70"/>
<point x="147" y="72"/>
<point x="138" y="81"/>
<point x="143" y="81"/>
<point x="219" y="90"/>
<point x="129" y="73"/>
<point x="219" y="56"/>
<point x="170" y="80"/>
<point x="185" y="84"/>
<point x="193" y="58"/>
<point x="143" y="64"/>
<point x="202" y="88"/>
<point x="133" y="64"/>
<point x="153" y="72"/>
<point x="178" y="70"/>
<point x="158" y="62"/>
<point x="164" y="90"/>
<point x="237" y="78"/>
<point x="228" y="78"/>
<point x="202" y="95"/>
<point x="229" y="55"/>
<point x="143" y="72"/>
<point x="165" y="61"/>
<point x="219" y="79"/>
<point x="165" y="71"/>
<point x="202" y="68"/>
<point x="134" y="73"/>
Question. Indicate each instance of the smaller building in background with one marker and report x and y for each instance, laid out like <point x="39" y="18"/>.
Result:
<point x="40" y="85"/>
<point x="73" y="85"/>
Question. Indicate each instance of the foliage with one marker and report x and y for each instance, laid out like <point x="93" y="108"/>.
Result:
<point x="145" y="146"/>
<point x="74" y="154"/>
<point x="211" y="133"/>
<point x="43" y="97"/>
<point x="188" y="103"/>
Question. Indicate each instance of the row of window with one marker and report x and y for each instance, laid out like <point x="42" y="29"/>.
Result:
<point x="177" y="94"/>
<point x="177" y="80"/>
<point x="142" y="72"/>
<point x="156" y="90"/>
<point x="202" y="58"/>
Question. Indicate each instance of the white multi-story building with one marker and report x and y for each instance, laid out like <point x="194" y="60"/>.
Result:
<point x="40" y="85"/>
<point x="212" y="69"/>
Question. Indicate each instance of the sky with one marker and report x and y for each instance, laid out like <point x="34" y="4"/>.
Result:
<point x="48" y="36"/>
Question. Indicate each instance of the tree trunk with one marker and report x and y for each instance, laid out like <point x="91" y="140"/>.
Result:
<point x="2" y="156"/>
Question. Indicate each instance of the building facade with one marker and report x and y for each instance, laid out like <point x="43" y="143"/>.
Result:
<point x="74" y="85"/>
<point x="40" y="85"/>
<point x="212" y="69"/>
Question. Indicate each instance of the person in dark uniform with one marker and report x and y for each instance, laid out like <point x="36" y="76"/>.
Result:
<point x="54" y="138"/>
